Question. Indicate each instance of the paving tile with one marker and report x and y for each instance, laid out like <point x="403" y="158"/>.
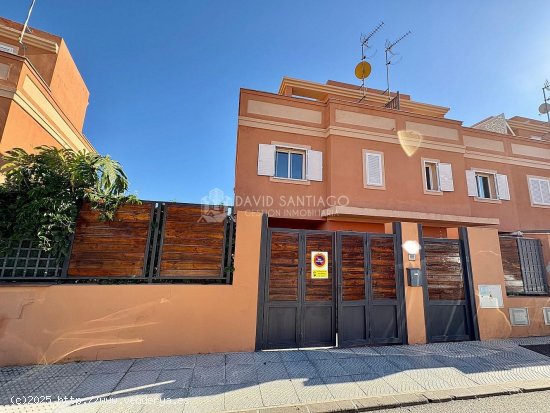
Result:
<point x="343" y="387"/>
<point x="293" y="355"/>
<point x="206" y="399"/>
<point x="175" y="379"/>
<point x="12" y="373"/>
<point x="373" y="385"/>
<point x="239" y="397"/>
<point x="376" y="403"/>
<point x="119" y="407"/>
<point x="59" y="386"/>
<point x="356" y="365"/>
<point x="138" y="379"/>
<point x="114" y="366"/>
<point x="311" y="390"/>
<point x="239" y="358"/>
<point x="330" y="407"/>
<point x="342" y="353"/>
<point x="208" y="376"/>
<point x="179" y="362"/>
<point x="405" y="400"/>
<point x="271" y="371"/>
<point x="329" y="367"/>
<point x="169" y="401"/>
<point x="79" y="408"/>
<point x="438" y="396"/>
<point x="21" y="387"/>
<point x="365" y="351"/>
<point x="209" y="360"/>
<point x="67" y="369"/>
<point x="151" y="363"/>
<point x="279" y="392"/>
<point x="241" y="374"/>
<point x="320" y="354"/>
<point x="267" y="357"/>
<point x="301" y="369"/>
<point x="403" y="383"/>
<point x="97" y="384"/>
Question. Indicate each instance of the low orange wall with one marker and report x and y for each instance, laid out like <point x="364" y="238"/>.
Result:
<point x="487" y="269"/>
<point x="48" y="324"/>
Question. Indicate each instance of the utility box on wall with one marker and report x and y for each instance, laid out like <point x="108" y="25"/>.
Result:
<point x="414" y="276"/>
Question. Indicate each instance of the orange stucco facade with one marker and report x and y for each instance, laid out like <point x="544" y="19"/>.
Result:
<point x="337" y="121"/>
<point x="340" y="124"/>
<point x="43" y="98"/>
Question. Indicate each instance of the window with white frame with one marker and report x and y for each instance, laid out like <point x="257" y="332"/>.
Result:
<point x="431" y="176"/>
<point x="487" y="185"/>
<point x="438" y="177"/>
<point x="286" y="162"/>
<point x="373" y="169"/>
<point x="289" y="163"/>
<point x="539" y="188"/>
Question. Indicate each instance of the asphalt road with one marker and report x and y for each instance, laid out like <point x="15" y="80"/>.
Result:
<point x="536" y="402"/>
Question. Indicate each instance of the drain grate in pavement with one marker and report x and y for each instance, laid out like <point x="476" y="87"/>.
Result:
<point x="543" y="349"/>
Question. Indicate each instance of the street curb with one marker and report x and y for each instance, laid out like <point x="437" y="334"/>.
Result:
<point x="374" y="403"/>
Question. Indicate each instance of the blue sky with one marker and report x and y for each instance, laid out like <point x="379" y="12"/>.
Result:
<point x="164" y="76"/>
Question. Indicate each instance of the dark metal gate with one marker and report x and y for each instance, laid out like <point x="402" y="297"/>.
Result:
<point x="362" y="296"/>
<point x="447" y="290"/>
<point x="370" y="292"/>
<point x="298" y="311"/>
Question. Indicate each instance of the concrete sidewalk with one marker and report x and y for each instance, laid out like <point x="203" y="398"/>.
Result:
<point x="311" y="380"/>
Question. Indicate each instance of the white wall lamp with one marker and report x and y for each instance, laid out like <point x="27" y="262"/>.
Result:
<point x="412" y="248"/>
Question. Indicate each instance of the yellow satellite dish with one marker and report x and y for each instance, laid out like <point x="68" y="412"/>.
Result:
<point x="362" y="70"/>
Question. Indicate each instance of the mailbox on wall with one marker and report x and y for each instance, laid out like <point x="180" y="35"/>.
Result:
<point x="414" y="276"/>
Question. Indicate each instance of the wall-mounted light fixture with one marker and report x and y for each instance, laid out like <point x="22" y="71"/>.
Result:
<point x="412" y="248"/>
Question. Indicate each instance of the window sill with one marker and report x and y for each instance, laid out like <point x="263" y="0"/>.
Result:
<point x="432" y="192"/>
<point x="539" y="205"/>
<point x="488" y="200"/>
<point x="383" y="187"/>
<point x="289" y="181"/>
<point x="527" y="295"/>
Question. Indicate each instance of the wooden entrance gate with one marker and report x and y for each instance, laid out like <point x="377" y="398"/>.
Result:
<point x="361" y="300"/>
<point x="447" y="291"/>
<point x="370" y="292"/>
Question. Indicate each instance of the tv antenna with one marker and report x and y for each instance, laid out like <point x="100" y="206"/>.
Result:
<point x="389" y="56"/>
<point x="363" y="68"/>
<point x="26" y="25"/>
<point x="544" y="108"/>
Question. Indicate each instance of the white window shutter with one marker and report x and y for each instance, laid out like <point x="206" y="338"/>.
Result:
<point x="471" y="183"/>
<point x="314" y="165"/>
<point x="545" y="191"/>
<point x="446" y="177"/>
<point x="266" y="160"/>
<point x="374" y="169"/>
<point x="535" y="188"/>
<point x="502" y="187"/>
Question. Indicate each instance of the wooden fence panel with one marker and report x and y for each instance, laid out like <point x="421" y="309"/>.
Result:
<point x="382" y="260"/>
<point x="444" y="270"/>
<point x="511" y="265"/>
<point x="114" y="248"/>
<point x="192" y="243"/>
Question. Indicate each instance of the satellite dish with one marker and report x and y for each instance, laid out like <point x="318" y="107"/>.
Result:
<point x="543" y="108"/>
<point x="362" y="70"/>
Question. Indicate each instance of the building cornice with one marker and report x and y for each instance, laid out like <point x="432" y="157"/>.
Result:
<point x="30" y="39"/>
<point x="371" y="98"/>
<point x="384" y="214"/>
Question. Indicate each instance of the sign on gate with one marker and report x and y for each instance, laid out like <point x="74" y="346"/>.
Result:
<point x="319" y="264"/>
